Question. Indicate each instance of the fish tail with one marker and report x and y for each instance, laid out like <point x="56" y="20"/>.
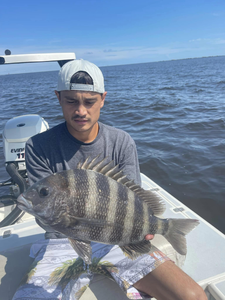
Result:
<point x="175" y="234"/>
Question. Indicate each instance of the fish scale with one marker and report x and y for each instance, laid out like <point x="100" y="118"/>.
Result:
<point x="97" y="202"/>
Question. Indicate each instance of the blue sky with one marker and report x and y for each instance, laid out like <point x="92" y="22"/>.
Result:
<point x="112" y="32"/>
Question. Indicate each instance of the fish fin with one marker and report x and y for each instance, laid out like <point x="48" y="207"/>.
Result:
<point x="134" y="250"/>
<point x="85" y="163"/>
<point x="155" y="203"/>
<point x="106" y="168"/>
<point x="83" y="249"/>
<point x="93" y="162"/>
<point x="177" y="229"/>
<point x="99" y="165"/>
<point x="79" y="165"/>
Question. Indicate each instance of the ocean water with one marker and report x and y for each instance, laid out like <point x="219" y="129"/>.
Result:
<point x="174" y="110"/>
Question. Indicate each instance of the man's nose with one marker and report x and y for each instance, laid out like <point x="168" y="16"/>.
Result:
<point x="81" y="110"/>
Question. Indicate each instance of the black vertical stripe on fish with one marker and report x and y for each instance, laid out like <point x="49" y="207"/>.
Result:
<point x="128" y="221"/>
<point x="79" y="186"/>
<point x="121" y="210"/>
<point x="111" y="214"/>
<point x="138" y="220"/>
<point x="102" y="204"/>
<point x="165" y="226"/>
<point x="155" y="225"/>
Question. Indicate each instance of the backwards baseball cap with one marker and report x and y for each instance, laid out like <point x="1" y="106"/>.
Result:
<point x="74" y="66"/>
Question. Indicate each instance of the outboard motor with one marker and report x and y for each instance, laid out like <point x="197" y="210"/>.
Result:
<point x="15" y="134"/>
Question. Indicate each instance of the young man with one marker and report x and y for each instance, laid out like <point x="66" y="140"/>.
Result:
<point x="81" y="95"/>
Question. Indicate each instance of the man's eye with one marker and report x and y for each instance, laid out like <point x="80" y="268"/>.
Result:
<point x="44" y="192"/>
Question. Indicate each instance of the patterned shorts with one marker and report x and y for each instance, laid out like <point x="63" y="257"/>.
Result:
<point x="59" y="273"/>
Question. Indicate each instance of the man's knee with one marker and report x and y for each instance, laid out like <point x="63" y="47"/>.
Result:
<point x="195" y="294"/>
<point x="168" y="282"/>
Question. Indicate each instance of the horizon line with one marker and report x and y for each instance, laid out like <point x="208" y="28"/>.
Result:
<point x="175" y="59"/>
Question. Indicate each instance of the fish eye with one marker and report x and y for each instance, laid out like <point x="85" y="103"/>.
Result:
<point x="44" y="192"/>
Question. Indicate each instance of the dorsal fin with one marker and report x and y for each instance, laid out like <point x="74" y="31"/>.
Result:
<point x="93" y="162"/>
<point x="108" y="169"/>
<point x="85" y="164"/>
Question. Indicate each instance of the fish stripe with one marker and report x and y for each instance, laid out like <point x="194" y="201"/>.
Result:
<point x="79" y="189"/>
<point x="164" y="225"/>
<point x="103" y="190"/>
<point x="90" y="205"/>
<point x="121" y="211"/>
<point x="90" y="201"/>
<point x="101" y="205"/>
<point x="129" y="218"/>
<point x="154" y="225"/>
<point x="146" y="220"/>
<point x="138" y="220"/>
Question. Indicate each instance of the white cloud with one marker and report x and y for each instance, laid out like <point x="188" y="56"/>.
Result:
<point x="208" y="41"/>
<point x="196" y="40"/>
<point x="218" y="14"/>
<point x="126" y="54"/>
<point x="220" y="41"/>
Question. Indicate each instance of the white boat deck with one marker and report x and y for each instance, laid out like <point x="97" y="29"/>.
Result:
<point x="205" y="241"/>
<point x="205" y="260"/>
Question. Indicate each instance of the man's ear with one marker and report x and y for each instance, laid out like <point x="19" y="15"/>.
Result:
<point x="58" y="96"/>
<point x="103" y="99"/>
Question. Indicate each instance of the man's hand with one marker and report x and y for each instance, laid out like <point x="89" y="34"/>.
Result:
<point x="149" y="237"/>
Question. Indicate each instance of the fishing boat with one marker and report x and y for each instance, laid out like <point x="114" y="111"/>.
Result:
<point x="205" y="259"/>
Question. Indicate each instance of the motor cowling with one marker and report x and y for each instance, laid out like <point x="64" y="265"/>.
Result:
<point x="15" y="134"/>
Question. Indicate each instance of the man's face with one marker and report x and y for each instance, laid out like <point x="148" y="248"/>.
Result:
<point x="81" y="111"/>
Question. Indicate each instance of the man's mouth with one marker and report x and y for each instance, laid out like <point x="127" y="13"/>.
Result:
<point x="80" y="121"/>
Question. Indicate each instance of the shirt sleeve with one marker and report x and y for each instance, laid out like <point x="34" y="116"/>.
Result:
<point x="130" y="164"/>
<point x="36" y="164"/>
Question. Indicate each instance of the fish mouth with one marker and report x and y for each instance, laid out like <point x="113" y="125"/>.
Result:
<point x="24" y="204"/>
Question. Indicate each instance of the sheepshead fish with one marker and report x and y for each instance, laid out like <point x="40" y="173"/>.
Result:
<point x="96" y="202"/>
